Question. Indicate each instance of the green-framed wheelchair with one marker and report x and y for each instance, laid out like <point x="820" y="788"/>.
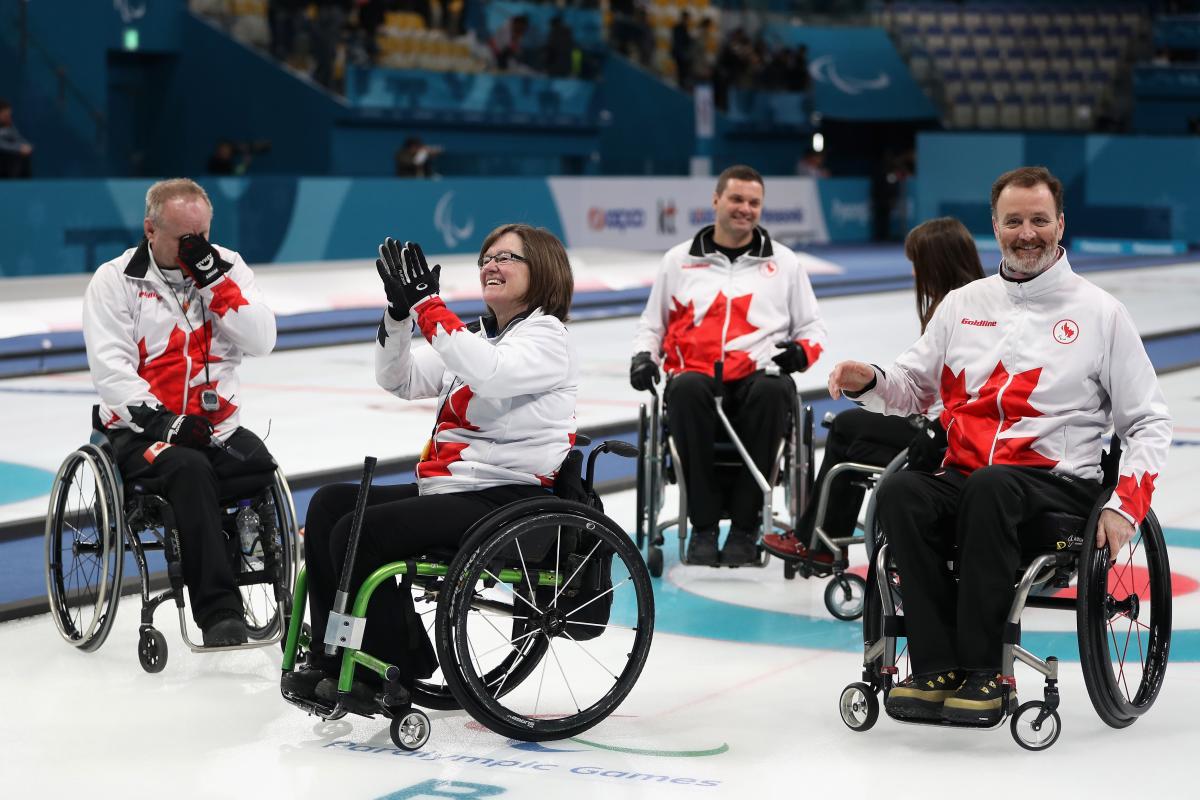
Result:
<point x="542" y="621"/>
<point x="96" y="522"/>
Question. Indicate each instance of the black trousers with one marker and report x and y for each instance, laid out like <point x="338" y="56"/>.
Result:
<point x="758" y="406"/>
<point x="190" y="480"/>
<point x="399" y="524"/>
<point x="858" y="436"/>
<point x="925" y="516"/>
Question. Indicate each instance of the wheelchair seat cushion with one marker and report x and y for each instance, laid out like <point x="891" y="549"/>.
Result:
<point x="1050" y="533"/>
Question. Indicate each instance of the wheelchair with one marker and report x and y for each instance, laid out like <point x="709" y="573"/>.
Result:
<point x="542" y="621"/>
<point x="658" y="465"/>
<point x="95" y="520"/>
<point x="1122" y="620"/>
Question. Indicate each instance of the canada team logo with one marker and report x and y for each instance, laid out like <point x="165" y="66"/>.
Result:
<point x="1066" y="331"/>
<point x="768" y="269"/>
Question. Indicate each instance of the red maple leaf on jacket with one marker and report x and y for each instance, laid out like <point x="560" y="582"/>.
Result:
<point x="452" y="416"/>
<point x="227" y="296"/>
<point x="1135" y="494"/>
<point x="693" y="347"/>
<point x="168" y="375"/>
<point x="974" y="427"/>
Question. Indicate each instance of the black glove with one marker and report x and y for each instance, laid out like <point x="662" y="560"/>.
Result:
<point x="928" y="448"/>
<point x="643" y="372"/>
<point x="391" y="272"/>
<point x="791" y="357"/>
<point x="185" y="430"/>
<point x="418" y="281"/>
<point x="200" y="261"/>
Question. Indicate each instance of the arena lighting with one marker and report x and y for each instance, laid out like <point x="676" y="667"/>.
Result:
<point x="818" y="142"/>
<point x="130" y="39"/>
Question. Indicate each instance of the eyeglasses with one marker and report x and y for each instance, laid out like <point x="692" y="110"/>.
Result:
<point x="502" y="259"/>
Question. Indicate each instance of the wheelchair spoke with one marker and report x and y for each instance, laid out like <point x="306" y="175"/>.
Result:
<point x="1120" y="663"/>
<point x="605" y="593"/>
<point x="537" y="699"/>
<point x="525" y="572"/>
<point x="510" y="643"/>
<point x="567" y="582"/>
<point x="558" y="664"/>
<point x="585" y="651"/>
<point x="516" y="594"/>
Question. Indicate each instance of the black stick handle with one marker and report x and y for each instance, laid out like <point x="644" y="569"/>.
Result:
<point x="342" y="599"/>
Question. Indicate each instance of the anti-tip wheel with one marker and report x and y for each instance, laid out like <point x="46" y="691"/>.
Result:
<point x="152" y="650"/>
<point x="1034" y="730"/>
<point x="845" y="596"/>
<point x="410" y="729"/>
<point x="859" y="707"/>
<point x="654" y="561"/>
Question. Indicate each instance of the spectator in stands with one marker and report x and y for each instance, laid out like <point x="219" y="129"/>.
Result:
<point x="415" y="159"/>
<point x="644" y="37"/>
<point x="561" y="51"/>
<point x="622" y="33"/>
<point x="507" y="43"/>
<point x="813" y="165"/>
<point x="702" y="65"/>
<point x="370" y="17"/>
<point x="326" y="36"/>
<point x="285" y="19"/>
<point x="16" y="154"/>
<point x="681" y="51"/>
<point x="798" y="79"/>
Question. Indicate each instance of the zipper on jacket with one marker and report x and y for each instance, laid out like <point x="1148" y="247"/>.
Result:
<point x="1000" y="415"/>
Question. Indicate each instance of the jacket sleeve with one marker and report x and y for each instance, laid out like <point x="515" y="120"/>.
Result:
<point x="807" y="327"/>
<point x="652" y="325"/>
<point x="408" y="373"/>
<point x="112" y="352"/>
<point x="1140" y="417"/>
<point x="238" y="310"/>
<point x="912" y="384"/>
<point x="533" y="358"/>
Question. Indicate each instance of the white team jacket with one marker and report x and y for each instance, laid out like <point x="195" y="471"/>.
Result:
<point x="143" y="350"/>
<point x="507" y="399"/>
<point x="1033" y="374"/>
<point x="703" y="308"/>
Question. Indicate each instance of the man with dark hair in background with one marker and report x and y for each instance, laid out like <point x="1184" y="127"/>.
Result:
<point x="731" y="294"/>
<point x="15" y="152"/>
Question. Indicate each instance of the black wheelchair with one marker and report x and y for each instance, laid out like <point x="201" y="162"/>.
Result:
<point x="1122" y="620"/>
<point x="542" y="620"/>
<point x="95" y="520"/>
<point x="658" y="465"/>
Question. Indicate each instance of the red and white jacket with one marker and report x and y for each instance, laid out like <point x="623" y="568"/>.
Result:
<point x="507" y="398"/>
<point x="703" y="308"/>
<point x="1033" y="374"/>
<point x="149" y="332"/>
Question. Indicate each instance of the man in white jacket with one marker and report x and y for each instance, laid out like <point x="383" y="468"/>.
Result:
<point x="166" y="325"/>
<point x="1032" y="366"/>
<point x="733" y="295"/>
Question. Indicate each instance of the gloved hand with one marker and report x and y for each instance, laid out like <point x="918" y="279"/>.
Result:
<point x="391" y="272"/>
<point x="185" y="430"/>
<point x="417" y="279"/>
<point x="928" y="447"/>
<point x="643" y="372"/>
<point x="200" y="261"/>
<point x="791" y="357"/>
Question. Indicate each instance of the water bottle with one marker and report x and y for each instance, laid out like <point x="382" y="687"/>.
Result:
<point x="249" y="529"/>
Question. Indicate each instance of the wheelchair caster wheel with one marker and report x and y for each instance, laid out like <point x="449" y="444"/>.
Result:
<point x="859" y="707"/>
<point x="654" y="561"/>
<point x="789" y="571"/>
<point x="152" y="650"/>
<point x="410" y="729"/>
<point x="1034" y="726"/>
<point x="846" y="596"/>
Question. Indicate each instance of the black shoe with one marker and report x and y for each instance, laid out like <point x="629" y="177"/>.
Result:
<point x="702" y="547"/>
<point x="362" y="698"/>
<point x="303" y="682"/>
<point x="741" y="547"/>
<point x="979" y="701"/>
<point x="227" y="631"/>
<point x="922" y="696"/>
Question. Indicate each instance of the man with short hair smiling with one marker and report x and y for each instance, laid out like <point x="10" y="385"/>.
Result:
<point x="1032" y="366"/>
<point x="735" y="295"/>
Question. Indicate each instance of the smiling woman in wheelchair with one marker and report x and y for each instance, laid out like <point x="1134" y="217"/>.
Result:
<point x="505" y="423"/>
<point x="1032" y="365"/>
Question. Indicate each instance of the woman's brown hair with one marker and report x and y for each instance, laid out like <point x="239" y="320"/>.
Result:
<point x="551" y="284"/>
<point x="944" y="257"/>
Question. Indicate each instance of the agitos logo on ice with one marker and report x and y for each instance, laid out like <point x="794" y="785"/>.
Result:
<point x="615" y="218"/>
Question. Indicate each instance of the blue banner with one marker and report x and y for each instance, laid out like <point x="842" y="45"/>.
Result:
<point x="856" y="73"/>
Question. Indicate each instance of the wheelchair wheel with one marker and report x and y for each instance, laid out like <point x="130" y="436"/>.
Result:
<point x="85" y="548"/>
<point x="152" y="650"/>
<point x="1033" y="729"/>
<point x="859" y="707"/>
<point x="643" y="503"/>
<point x="654" y="561"/>
<point x="1123" y="618"/>
<point x="551" y="675"/>
<point x="845" y="596"/>
<point x="410" y="730"/>
<point x="279" y="534"/>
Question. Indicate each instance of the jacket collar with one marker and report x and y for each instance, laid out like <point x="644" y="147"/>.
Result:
<point x="139" y="265"/>
<point x="1053" y="279"/>
<point x="488" y="322"/>
<point x="704" y="245"/>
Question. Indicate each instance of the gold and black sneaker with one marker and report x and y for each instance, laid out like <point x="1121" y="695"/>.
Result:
<point x="980" y="701"/>
<point x="921" y="697"/>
